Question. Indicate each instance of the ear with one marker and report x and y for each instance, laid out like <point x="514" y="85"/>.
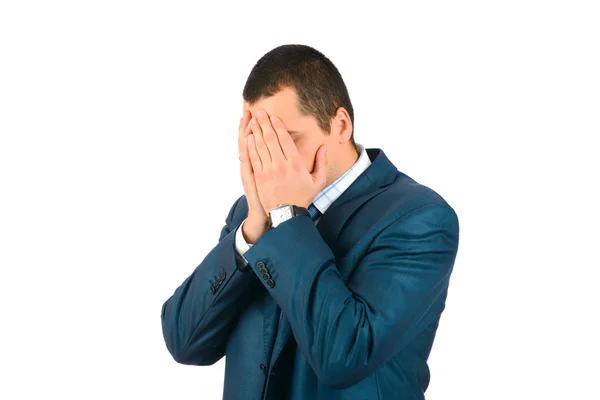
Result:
<point x="341" y="125"/>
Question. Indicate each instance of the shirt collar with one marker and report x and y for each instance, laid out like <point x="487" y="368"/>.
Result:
<point x="327" y="196"/>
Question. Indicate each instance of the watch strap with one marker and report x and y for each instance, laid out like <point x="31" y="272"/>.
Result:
<point x="300" y="211"/>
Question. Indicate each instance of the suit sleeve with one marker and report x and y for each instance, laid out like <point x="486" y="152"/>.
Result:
<point x="347" y="331"/>
<point x="198" y="318"/>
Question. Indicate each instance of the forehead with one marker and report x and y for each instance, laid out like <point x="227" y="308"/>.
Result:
<point x="282" y="104"/>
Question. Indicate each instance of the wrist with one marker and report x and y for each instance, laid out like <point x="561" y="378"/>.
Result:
<point x="254" y="229"/>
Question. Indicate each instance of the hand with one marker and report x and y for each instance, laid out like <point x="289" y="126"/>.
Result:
<point x="256" y="224"/>
<point x="279" y="172"/>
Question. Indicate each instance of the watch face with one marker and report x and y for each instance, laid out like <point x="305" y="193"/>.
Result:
<point x="281" y="214"/>
<point x="287" y="214"/>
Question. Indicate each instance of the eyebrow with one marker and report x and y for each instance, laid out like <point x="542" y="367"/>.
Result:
<point x="293" y="132"/>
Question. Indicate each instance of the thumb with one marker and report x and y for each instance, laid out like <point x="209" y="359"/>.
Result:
<point x="320" y="169"/>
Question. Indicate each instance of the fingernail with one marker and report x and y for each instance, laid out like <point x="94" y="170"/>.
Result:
<point x="273" y="118"/>
<point x="260" y="113"/>
<point x="254" y="120"/>
<point x="250" y="137"/>
<point x="243" y="113"/>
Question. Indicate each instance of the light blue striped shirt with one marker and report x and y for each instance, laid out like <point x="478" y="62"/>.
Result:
<point x="325" y="198"/>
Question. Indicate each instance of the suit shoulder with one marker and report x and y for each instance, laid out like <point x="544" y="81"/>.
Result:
<point x="408" y="188"/>
<point x="405" y="196"/>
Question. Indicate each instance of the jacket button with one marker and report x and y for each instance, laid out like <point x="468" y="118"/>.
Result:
<point x="212" y="290"/>
<point x="266" y="276"/>
<point x="270" y="283"/>
<point x="263" y="369"/>
<point x="260" y="265"/>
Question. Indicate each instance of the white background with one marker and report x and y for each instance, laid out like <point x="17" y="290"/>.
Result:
<point x="118" y="165"/>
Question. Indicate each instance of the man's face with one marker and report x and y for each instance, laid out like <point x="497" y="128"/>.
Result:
<point x="304" y="130"/>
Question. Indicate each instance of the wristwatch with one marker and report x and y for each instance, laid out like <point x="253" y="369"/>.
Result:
<point x="283" y="212"/>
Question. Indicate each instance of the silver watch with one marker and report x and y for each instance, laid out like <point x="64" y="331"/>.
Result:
<point x="283" y="212"/>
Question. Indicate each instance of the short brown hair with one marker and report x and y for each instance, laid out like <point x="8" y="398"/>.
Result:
<point x="317" y="82"/>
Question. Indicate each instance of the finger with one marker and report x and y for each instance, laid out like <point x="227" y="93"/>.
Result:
<point x="270" y="136"/>
<point x="288" y="147"/>
<point x="249" y="184"/>
<point x="257" y="163"/>
<point x="261" y="146"/>
<point x="244" y="157"/>
<point x="243" y="131"/>
<point x="319" y="172"/>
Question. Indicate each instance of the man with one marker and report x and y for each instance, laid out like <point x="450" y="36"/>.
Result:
<point x="332" y="271"/>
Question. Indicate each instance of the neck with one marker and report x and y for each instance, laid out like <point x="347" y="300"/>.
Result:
<point x="344" y="164"/>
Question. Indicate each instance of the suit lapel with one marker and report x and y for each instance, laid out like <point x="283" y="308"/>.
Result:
<point x="370" y="183"/>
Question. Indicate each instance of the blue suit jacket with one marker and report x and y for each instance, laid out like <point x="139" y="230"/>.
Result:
<point x="361" y="294"/>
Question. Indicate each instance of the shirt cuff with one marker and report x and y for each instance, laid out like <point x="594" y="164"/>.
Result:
<point x="240" y="243"/>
